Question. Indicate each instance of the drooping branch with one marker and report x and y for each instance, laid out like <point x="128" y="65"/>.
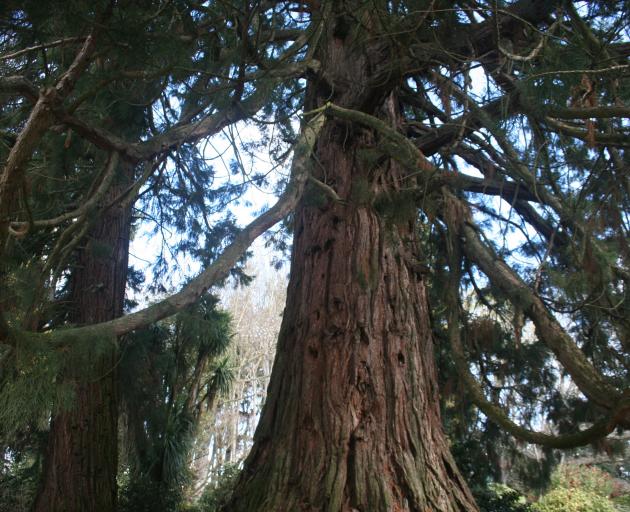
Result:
<point x="498" y="415"/>
<point x="182" y="133"/>
<point x="40" y="119"/>
<point x="618" y="412"/>
<point x="588" y="380"/>
<point x="220" y="267"/>
<point x="100" y="187"/>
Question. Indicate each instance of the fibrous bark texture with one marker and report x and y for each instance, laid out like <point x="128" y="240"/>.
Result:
<point x="82" y="452"/>
<point x="352" y="420"/>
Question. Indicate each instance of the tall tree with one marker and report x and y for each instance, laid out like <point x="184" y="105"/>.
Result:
<point x="407" y="176"/>
<point x="82" y="456"/>
<point x="170" y="377"/>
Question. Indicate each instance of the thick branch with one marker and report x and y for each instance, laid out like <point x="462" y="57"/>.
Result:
<point x="185" y="132"/>
<point x="494" y="411"/>
<point x="609" y="139"/>
<point x="398" y="146"/>
<point x="221" y="266"/>
<point x="433" y="142"/>
<point x="19" y="85"/>
<point x="498" y="415"/>
<point x="603" y="111"/>
<point x="40" y="119"/>
<point x="507" y="190"/>
<point x="588" y="380"/>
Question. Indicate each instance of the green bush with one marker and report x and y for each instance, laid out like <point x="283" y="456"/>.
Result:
<point x="500" y="498"/>
<point x="141" y="494"/>
<point x="586" y="478"/>
<point x="18" y="484"/>
<point x="574" y="499"/>
<point x="622" y="503"/>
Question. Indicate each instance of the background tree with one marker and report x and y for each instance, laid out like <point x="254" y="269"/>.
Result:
<point x="226" y="436"/>
<point x="409" y="180"/>
<point x="170" y="378"/>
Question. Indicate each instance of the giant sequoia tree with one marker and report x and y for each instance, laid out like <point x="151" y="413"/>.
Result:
<point x="470" y="151"/>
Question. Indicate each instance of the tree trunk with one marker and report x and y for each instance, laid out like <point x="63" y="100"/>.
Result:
<point x="352" y="419"/>
<point x="82" y="452"/>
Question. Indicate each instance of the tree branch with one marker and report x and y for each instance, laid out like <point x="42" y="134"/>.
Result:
<point x="221" y="266"/>
<point x="40" y="119"/>
<point x="598" y="430"/>
<point x="588" y="380"/>
<point x="52" y="44"/>
<point x="19" y="85"/>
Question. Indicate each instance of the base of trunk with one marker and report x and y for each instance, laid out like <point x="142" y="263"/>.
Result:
<point x="81" y="458"/>
<point x="352" y="421"/>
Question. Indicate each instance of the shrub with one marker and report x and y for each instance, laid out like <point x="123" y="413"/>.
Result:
<point x="141" y="494"/>
<point x="573" y="499"/>
<point x="18" y="484"/>
<point x="586" y="478"/>
<point x="622" y="503"/>
<point x="500" y="498"/>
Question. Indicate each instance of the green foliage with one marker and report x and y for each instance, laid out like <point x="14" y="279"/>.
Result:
<point x="397" y="208"/>
<point x="564" y="499"/>
<point x="587" y="478"/>
<point x="162" y="64"/>
<point x="577" y="488"/>
<point x="500" y="498"/>
<point x="32" y="386"/>
<point x="218" y="494"/>
<point x="622" y="503"/>
<point x="142" y="494"/>
<point x="169" y="375"/>
<point x="29" y="387"/>
<point x="361" y="193"/>
<point x="19" y="477"/>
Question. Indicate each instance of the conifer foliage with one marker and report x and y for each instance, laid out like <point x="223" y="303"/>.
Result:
<point x="454" y="177"/>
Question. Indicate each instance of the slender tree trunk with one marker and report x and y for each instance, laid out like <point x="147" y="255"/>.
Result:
<point x="352" y="419"/>
<point x="82" y="453"/>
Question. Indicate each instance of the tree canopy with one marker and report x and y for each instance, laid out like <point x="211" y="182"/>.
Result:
<point x="491" y="141"/>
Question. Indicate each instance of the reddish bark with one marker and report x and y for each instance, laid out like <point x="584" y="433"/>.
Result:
<point x="82" y="452"/>
<point x="352" y="419"/>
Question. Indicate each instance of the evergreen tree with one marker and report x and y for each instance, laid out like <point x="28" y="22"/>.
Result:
<point x="414" y="193"/>
<point x="170" y="376"/>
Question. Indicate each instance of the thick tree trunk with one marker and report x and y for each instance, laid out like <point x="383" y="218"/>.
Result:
<point x="82" y="452"/>
<point x="352" y="418"/>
